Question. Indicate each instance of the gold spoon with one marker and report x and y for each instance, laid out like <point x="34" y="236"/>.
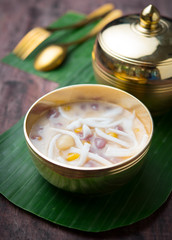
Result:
<point x="39" y="34"/>
<point x="52" y="56"/>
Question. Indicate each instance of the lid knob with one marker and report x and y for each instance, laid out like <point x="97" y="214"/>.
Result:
<point x="149" y="17"/>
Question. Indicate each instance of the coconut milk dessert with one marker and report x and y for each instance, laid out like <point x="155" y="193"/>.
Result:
<point x="89" y="134"/>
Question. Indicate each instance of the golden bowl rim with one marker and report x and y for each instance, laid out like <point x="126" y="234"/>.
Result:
<point x="122" y="164"/>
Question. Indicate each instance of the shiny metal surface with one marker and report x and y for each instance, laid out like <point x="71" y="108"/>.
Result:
<point x="80" y="179"/>
<point x="149" y="18"/>
<point x="134" y="53"/>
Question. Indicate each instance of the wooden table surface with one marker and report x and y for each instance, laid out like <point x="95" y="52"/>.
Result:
<point x="18" y="90"/>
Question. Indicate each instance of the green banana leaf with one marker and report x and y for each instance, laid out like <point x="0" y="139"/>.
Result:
<point x="21" y="184"/>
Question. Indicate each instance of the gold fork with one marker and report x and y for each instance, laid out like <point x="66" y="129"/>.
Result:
<point x="37" y="35"/>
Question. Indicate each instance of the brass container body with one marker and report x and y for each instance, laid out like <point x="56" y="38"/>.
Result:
<point x="80" y="179"/>
<point x="134" y="53"/>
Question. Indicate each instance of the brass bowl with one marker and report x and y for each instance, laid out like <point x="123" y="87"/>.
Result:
<point x="134" y="53"/>
<point x="80" y="179"/>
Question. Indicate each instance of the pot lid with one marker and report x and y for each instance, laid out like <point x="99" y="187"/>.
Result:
<point x="141" y="40"/>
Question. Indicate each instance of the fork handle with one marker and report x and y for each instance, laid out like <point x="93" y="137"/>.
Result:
<point x="110" y="17"/>
<point x="96" y="14"/>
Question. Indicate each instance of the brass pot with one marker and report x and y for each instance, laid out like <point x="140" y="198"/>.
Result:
<point x="135" y="54"/>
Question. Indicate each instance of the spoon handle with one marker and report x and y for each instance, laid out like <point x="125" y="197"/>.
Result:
<point x="110" y="17"/>
<point x="96" y="14"/>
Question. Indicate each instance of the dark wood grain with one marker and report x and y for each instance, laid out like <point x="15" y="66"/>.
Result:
<point x="18" y="90"/>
